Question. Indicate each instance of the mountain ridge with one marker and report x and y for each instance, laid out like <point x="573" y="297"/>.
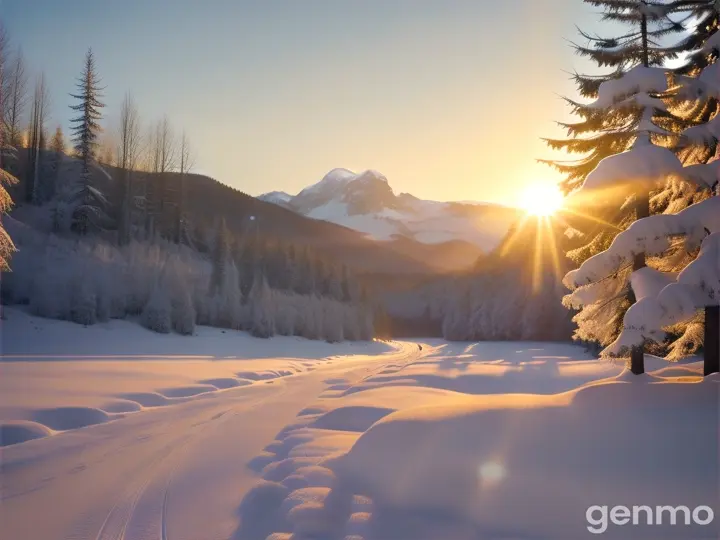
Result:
<point x="365" y="202"/>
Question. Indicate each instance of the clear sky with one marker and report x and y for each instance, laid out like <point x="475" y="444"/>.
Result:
<point x="447" y="98"/>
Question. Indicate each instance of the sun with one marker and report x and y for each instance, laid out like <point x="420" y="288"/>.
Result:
<point x="541" y="199"/>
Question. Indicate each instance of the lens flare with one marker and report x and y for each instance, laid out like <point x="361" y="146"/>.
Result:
<point x="541" y="199"/>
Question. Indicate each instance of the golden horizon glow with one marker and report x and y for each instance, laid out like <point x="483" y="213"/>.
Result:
<point x="541" y="200"/>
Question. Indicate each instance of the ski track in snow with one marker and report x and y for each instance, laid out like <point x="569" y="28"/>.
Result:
<point x="128" y="478"/>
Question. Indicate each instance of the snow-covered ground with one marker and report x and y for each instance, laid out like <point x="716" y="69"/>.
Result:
<point x="223" y="436"/>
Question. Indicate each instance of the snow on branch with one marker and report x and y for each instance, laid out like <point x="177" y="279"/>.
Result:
<point x="650" y="235"/>
<point x="664" y="302"/>
<point x="704" y="174"/>
<point x="704" y="134"/>
<point x="642" y="166"/>
<point x="638" y="80"/>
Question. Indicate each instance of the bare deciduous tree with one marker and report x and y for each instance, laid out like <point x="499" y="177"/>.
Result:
<point x="15" y="98"/>
<point x="186" y="163"/>
<point x="38" y="139"/>
<point x="157" y="194"/>
<point x="128" y="155"/>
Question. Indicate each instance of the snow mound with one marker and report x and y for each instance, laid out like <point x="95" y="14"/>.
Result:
<point x="146" y="399"/>
<point x="187" y="391"/>
<point x="21" y="431"/>
<point x="490" y="466"/>
<point x="352" y="418"/>
<point x="265" y="375"/>
<point x="64" y="418"/>
<point x="223" y="383"/>
<point x="313" y="475"/>
<point x="121" y="406"/>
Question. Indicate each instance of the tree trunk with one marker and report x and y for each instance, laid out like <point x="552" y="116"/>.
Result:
<point x="644" y="32"/>
<point x="637" y="356"/>
<point x="711" y="344"/>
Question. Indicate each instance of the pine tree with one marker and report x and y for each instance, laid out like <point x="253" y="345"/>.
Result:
<point x="606" y="128"/>
<point x="89" y="205"/>
<point x="619" y="134"/>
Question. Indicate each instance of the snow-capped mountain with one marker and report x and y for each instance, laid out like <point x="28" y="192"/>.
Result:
<point x="366" y="203"/>
<point x="277" y="197"/>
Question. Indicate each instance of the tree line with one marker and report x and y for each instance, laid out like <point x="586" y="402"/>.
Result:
<point x="117" y="206"/>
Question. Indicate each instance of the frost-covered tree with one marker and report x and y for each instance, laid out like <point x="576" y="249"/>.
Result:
<point x="334" y="320"/>
<point x="83" y="298"/>
<point x="57" y="141"/>
<point x="6" y="245"/>
<point x="262" y="322"/>
<point x="157" y="315"/>
<point x="15" y="98"/>
<point x="89" y="206"/>
<point x="220" y="257"/>
<point x="183" y="313"/>
<point x="228" y="301"/>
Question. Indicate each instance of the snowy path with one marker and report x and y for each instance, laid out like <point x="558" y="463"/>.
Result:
<point x="166" y="473"/>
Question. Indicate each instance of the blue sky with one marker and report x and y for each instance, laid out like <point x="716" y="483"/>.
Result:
<point x="447" y="98"/>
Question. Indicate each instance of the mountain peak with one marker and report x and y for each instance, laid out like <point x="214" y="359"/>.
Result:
<point x="366" y="202"/>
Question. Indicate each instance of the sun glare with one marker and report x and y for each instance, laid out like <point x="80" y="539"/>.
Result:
<point x="541" y="199"/>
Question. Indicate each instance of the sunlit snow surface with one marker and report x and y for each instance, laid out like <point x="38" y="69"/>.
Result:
<point x="290" y="439"/>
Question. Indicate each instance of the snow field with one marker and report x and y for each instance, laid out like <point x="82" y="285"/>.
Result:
<point x="58" y="376"/>
<point x="491" y="440"/>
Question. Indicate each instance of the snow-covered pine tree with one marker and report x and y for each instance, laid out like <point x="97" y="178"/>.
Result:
<point x="605" y="129"/>
<point x="182" y="310"/>
<point x="693" y="104"/>
<point x="89" y="206"/>
<point x="229" y="299"/>
<point x="623" y="162"/>
<point x="666" y="299"/>
<point x="694" y="111"/>
<point x="262" y="323"/>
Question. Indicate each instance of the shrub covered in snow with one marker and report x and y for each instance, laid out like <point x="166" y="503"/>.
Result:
<point x="89" y="280"/>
